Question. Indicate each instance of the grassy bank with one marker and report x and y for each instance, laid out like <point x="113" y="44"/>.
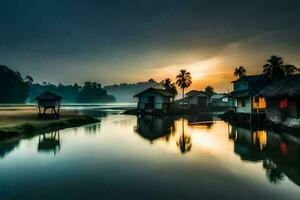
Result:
<point x="37" y="126"/>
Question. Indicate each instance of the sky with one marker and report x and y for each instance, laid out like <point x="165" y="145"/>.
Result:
<point x="115" y="41"/>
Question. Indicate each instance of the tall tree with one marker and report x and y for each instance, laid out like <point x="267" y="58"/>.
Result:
<point x="170" y="87"/>
<point x="239" y="71"/>
<point x="290" y="70"/>
<point x="183" y="80"/>
<point x="209" y="91"/>
<point x="274" y="68"/>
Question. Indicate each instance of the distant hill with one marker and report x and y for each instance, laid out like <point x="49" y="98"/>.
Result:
<point x="124" y="92"/>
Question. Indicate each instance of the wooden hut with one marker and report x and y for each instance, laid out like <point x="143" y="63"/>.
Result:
<point x="48" y="100"/>
<point x="153" y="101"/>
<point x="245" y="94"/>
<point x="197" y="100"/>
<point x="283" y="100"/>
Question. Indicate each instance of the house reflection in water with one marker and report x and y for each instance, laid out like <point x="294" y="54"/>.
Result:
<point x="92" y="129"/>
<point x="200" y="121"/>
<point x="154" y="127"/>
<point x="49" y="142"/>
<point x="259" y="138"/>
<point x="279" y="153"/>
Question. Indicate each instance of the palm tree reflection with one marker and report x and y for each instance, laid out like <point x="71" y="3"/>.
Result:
<point x="273" y="173"/>
<point x="185" y="141"/>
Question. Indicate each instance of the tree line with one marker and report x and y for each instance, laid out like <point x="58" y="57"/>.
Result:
<point x="16" y="89"/>
<point x="183" y="81"/>
<point x="275" y="69"/>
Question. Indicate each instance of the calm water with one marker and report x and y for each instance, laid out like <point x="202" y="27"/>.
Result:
<point x="151" y="158"/>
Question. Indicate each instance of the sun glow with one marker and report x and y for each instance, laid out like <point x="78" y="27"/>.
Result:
<point x="204" y="72"/>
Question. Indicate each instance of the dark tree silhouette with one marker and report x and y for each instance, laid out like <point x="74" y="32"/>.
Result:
<point x="239" y="71"/>
<point x="12" y="86"/>
<point x="125" y="91"/>
<point x="274" y="68"/>
<point x="92" y="92"/>
<point x="291" y="69"/>
<point x="209" y="91"/>
<point x="170" y="87"/>
<point x="183" y="80"/>
<point x="29" y="79"/>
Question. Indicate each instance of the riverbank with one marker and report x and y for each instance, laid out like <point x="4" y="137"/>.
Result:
<point x="22" y="121"/>
<point x="257" y="122"/>
<point x="185" y="111"/>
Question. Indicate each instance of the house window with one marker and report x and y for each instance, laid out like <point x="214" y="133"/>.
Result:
<point x="259" y="103"/>
<point x="283" y="103"/>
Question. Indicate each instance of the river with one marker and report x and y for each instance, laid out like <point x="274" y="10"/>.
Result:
<point x="126" y="157"/>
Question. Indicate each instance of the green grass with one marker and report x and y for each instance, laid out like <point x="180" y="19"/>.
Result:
<point x="34" y="127"/>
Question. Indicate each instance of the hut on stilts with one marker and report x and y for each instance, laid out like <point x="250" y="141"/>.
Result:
<point x="51" y="101"/>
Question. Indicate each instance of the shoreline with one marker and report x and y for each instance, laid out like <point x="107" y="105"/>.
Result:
<point x="134" y="111"/>
<point x="18" y="122"/>
<point x="244" y="122"/>
<point x="36" y="127"/>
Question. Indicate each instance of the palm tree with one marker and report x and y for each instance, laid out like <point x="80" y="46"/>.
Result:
<point x="170" y="87"/>
<point x="166" y="83"/>
<point x="274" y="68"/>
<point x="291" y="69"/>
<point x="239" y="72"/>
<point x="183" y="80"/>
<point x="209" y="91"/>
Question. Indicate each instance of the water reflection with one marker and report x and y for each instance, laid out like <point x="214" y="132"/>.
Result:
<point x="185" y="141"/>
<point x="153" y="128"/>
<point x="201" y="121"/>
<point x="279" y="153"/>
<point x="172" y="128"/>
<point x="49" y="142"/>
<point x="92" y="129"/>
<point x="6" y="146"/>
<point x="116" y="152"/>
<point x="273" y="173"/>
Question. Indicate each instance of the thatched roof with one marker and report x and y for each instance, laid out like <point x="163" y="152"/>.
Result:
<point x="252" y="78"/>
<point x="218" y="96"/>
<point x="195" y="92"/>
<point x="288" y="87"/>
<point x="48" y="96"/>
<point x="156" y="91"/>
<point x="256" y="83"/>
